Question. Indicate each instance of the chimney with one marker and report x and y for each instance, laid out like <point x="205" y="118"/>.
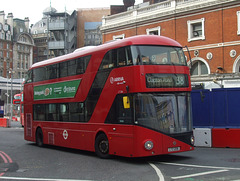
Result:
<point x="26" y="20"/>
<point x="10" y="21"/>
<point x="2" y="17"/>
<point x="128" y="3"/>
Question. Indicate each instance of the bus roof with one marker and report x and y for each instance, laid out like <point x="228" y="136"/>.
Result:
<point x="134" y="40"/>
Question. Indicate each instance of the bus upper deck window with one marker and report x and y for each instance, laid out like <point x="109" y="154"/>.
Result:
<point x="107" y="61"/>
<point x="124" y="56"/>
<point x="28" y="77"/>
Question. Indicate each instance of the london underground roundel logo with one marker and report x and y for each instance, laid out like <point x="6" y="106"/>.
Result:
<point x="65" y="134"/>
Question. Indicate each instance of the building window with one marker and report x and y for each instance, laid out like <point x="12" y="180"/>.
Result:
<point x="2" y="35"/>
<point x="42" y="24"/>
<point x="238" y="22"/>
<point x="23" y="39"/>
<point x="118" y="37"/>
<point x="8" y="36"/>
<point x="196" y="29"/>
<point x="236" y="65"/>
<point x="199" y="68"/>
<point x="154" y="31"/>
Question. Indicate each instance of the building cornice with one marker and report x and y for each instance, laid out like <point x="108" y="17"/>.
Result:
<point x="215" y="45"/>
<point x="160" y="11"/>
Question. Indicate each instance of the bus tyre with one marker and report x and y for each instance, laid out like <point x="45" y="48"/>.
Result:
<point x="39" y="137"/>
<point x="102" y="146"/>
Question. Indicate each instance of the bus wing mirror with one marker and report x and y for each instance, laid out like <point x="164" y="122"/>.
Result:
<point x="189" y="56"/>
<point x="126" y="102"/>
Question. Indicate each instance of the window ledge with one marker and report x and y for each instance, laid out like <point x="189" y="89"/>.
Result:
<point x="198" y="38"/>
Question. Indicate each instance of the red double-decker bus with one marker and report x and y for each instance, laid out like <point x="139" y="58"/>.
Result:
<point x="129" y="97"/>
<point x="17" y="99"/>
<point x="19" y="106"/>
<point x="22" y="110"/>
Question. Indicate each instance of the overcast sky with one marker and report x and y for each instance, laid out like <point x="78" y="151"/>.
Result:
<point x="34" y="8"/>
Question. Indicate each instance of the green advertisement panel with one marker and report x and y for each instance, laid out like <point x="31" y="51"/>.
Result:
<point x="59" y="90"/>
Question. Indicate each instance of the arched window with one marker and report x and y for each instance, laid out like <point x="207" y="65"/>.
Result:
<point x="199" y="67"/>
<point x="236" y="65"/>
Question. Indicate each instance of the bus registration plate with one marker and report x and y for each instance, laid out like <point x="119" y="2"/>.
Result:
<point x="173" y="149"/>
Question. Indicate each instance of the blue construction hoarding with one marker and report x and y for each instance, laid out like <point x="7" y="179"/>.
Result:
<point x="216" y="118"/>
<point x="218" y="108"/>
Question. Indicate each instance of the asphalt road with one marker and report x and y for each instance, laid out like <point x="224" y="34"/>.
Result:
<point x="22" y="160"/>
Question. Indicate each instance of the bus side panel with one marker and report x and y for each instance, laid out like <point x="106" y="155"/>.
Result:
<point x="75" y="135"/>
<point x="121" y="140"/>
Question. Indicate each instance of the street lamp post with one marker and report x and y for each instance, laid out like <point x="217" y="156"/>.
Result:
<point x="7" y="95"/>
<point x="11" y="72"/>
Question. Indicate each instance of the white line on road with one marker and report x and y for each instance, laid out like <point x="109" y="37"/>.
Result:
<point x="38" y="179"/>
<point x="199" y="166"/>
<point x="199" y="174"/>
<point x="159" y="173"/>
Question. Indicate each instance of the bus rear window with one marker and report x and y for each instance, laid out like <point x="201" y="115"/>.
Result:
<point x="158" y="55"/>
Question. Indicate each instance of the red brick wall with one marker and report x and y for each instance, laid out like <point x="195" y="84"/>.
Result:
<point x="220" y="27"/>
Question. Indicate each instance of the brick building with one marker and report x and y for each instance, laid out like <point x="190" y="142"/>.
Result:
<point x="210" y="29"/>
<point x="88" y="21"/>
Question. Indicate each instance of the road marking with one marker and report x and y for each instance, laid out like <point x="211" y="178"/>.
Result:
<point x="199" y="174"/>
<point x="159" y="173"/>
<point x="6" y="156"/>
<point x="199" y="166"/>
<point x="4" y="159"/>
<point x="38" y="179"/>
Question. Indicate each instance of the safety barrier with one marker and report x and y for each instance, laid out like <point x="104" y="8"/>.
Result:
<point x="5" y="122"/>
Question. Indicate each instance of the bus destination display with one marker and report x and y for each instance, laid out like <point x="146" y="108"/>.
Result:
<point x="166" y="80"/>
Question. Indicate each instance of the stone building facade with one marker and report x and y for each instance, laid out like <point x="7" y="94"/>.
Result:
<point x="16" y="46"/>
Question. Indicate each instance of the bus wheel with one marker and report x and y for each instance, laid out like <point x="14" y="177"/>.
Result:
<point x="102" y="146"/>
<point x="39" y="137"/>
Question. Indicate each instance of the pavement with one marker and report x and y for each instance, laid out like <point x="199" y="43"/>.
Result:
<point x="15" y="124"/>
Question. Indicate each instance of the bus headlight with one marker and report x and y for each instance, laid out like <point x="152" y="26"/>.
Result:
<point x="192" y="140"/>
<point x="148" y="145"/>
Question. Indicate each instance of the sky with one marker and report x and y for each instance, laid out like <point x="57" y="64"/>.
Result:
<point x="33" y="8"/>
